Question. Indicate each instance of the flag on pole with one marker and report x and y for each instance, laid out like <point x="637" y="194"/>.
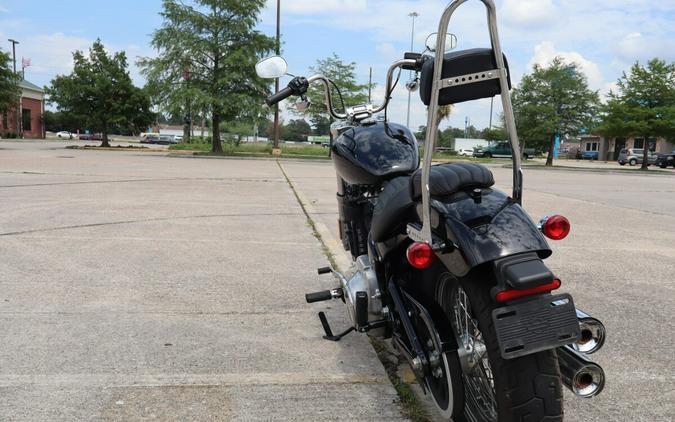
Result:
<point x="25" y="62"/>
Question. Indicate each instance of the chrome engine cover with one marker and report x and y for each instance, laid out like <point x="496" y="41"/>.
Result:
<point x="363" y="279"/>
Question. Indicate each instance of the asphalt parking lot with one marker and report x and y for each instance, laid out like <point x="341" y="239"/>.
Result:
<point x="136" y="286"/>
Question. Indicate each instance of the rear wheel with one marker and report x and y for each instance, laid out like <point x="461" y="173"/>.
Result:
<point x="515" y="390"/>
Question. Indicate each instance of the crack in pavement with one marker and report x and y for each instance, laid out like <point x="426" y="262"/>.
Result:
<point x="182" y="380"/>
<point x="145" y="220"/>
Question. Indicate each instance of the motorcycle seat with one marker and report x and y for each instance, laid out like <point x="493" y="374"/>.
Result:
<point x="446" y="179"/>
<point x="400" y="195"/>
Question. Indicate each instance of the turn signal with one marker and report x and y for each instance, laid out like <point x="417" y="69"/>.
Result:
<point x="506" y="295"/>
<point x="420" y="255"/>
<point x="556" y="227"/>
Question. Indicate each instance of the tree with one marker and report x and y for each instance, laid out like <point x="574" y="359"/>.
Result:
<point x="100" y="94"/>
<point x="9" y="85"/>
<point x="343" y="75"/>
<point x="553" y="100"/>
<point x="644" y="105"/>
<point x="207" y="51"/>
<point x="296" y="131"/>
<point x="494" y="134"/>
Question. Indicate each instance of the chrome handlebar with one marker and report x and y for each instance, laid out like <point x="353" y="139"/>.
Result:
<point x="358" y="111"/>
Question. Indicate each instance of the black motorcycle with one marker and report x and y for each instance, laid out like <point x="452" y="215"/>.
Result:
<point x="445" y="265"/>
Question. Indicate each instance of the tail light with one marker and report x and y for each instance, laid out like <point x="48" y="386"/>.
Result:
<point x="555" y="227"/>
<point x="420" y="255"/>
<point x="506" y="295"/>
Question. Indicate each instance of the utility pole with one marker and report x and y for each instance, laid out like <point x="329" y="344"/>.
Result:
<point x="14" y="43"/>
<point x="17" y="115"/>
<point x="492" y="100"/>
<point x="413" y="15"/>
<point x="276" y="83"/>
<point x="370" y="84"/>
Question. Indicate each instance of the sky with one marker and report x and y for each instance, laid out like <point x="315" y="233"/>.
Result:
<point x="605" y="37"/>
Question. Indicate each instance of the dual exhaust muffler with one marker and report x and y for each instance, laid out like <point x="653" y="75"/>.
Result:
<point x="579" y="374"/>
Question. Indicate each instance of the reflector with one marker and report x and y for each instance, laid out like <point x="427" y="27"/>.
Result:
<point x="420" y="255"/>
<point x="556" y="227"/>
<point x="506" y="295"/>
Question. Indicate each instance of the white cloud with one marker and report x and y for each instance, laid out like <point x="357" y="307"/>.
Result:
<point x="306" y="7"/>
<point x="545" y="52"/>
<point x="3" y="9"/>
<point x="636" y="46"/>
<point x="538" y="13"/>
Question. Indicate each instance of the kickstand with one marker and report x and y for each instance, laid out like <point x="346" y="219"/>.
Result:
<point x="329" y="333"/>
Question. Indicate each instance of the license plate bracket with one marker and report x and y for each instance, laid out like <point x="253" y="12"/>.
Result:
<point x="542" y="323"/>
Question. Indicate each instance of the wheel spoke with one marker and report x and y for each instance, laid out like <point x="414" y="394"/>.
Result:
<point x="479" y="379"/>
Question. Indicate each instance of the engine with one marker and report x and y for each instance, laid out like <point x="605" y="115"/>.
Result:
<point x="363" y="280"/>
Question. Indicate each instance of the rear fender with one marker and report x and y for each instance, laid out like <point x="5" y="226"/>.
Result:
<point x="485" y="231"/>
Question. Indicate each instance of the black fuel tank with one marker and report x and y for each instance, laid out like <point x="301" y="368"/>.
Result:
<point x="368" y="155"/>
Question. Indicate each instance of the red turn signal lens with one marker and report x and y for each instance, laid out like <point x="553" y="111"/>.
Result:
<point x="420" y="255"/>
<point x="556" y="227"/>
<point x="506" y="295"/>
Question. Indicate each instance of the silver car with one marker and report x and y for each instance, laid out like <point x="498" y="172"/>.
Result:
<point x="633" y="156"/>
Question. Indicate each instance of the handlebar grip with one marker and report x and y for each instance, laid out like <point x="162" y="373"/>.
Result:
<point x="412" y="56"/>
<point x="279" y="96"/>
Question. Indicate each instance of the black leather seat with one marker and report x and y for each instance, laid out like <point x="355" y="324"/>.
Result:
<point x="399" y="195"/>
<point x="446" y="179"/>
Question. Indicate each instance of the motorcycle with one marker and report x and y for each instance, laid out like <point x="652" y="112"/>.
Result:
<point x="445" y="265"/>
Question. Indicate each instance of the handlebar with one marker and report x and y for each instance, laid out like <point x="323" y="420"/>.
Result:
<point x="299" y="86"/>
<point x="279" y="96"/>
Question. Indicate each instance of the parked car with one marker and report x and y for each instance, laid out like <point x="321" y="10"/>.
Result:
<point x="465" y="152"/>
<point x="178" y="138"/>
<point x="64" y="134"/>
<point x="633" y="156"/>
<point x="167" y="139"/>
<point x="590" y="155"/>
<point x="501" y="149"/>
<point x="665" y="159"/>
<point x="91" y="136"/>
<point x="150" y="138"/>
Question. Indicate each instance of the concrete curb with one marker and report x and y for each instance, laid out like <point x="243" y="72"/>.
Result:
<point x="418" y="408"/>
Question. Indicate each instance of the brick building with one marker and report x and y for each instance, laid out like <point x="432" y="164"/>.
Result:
<point x="32" y="107"/>
<point x="609" y="149"/>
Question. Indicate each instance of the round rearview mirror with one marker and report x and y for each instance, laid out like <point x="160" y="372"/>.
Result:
<point x="432" y="42"/>
<point x="271" y="67"/>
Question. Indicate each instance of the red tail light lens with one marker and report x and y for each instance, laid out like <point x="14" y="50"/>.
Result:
<point x="556" y="227"/>
<point x="420" y="255"/>
<point x="506" y="295"/>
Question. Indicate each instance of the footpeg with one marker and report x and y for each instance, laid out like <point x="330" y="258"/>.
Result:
<point x="318" y="296"/>
<point x="324" y="295"/>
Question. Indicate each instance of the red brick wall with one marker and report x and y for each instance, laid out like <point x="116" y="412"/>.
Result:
<point x="35" y="132"/>
<point x="35" y="107"/>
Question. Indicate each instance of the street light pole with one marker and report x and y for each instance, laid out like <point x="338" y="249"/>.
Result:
<point x="276" y="83"/>
<point x="14" y="43"/>
<point x="17" y="114"/>
<point x="413" y="15"/>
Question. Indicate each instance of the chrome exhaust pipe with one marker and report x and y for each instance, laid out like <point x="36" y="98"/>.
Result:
<point x="592" y="334"/>
<point x="582" y="376"/>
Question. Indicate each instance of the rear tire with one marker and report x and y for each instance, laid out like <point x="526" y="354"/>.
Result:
<point x="524" y="389"/>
